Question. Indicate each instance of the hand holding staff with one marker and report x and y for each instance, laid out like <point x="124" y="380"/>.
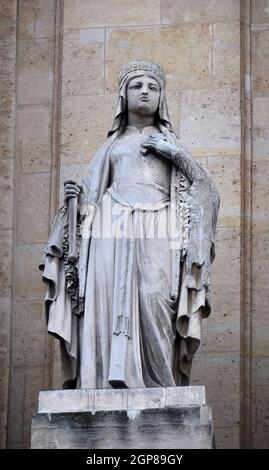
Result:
<point x="71" y="194"/>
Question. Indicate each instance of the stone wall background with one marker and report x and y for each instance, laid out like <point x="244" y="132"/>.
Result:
<point x="60" y="61"/>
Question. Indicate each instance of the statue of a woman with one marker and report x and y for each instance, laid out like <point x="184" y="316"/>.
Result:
<point x="127" y="307"/>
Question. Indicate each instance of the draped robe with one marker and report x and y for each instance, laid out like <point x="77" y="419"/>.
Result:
<point x="126" y="361"/>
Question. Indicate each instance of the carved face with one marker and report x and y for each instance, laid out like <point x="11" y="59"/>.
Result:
<point x="143" y="94"/>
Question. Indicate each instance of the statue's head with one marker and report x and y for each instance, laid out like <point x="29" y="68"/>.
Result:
<point x="141" y="90"/>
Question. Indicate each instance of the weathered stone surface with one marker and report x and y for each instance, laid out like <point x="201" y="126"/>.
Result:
<point x="35" y="155"/>
<point x="28" y="346"/>
<point x="226" y="54"/>
<point x="181" y="11"/>
<point x="34" y="382"/>
<point x="27" y="281"/>
<point x="6" y="189"/>
<point x="227" y="437"/>
<point x="37" y="18"/>
<point x="261" y="370"/>
<point x="259" y="12"/>
<point x="226" y="269"/>
<point x="112" y="419"/>
<point x="35" y="63"/>
<point x="16" y="411"/>
<point x="83" y="62"/>
<point x="260" y="65"/>
<point x="8" y="12"/>
<point x="8" y="48"/>
<point x="34" y="122"/>
<point x="85" y="14"/>
<point x="6" y="257"/>
<point x="222" y="384"/>
<point x="32" y="212"/>
<point x="262" y="408"/>
<point x="182" y="52"/>
<point x="260" y="128"/>
<point x="67" y="401"/>
<point x="260" y="440"/>
<point x="260" y="199"/>
<point x="223" y="332"/>
<point x="260" y="254"/>
<point x="260" y="299"/>
<point x="226" y="174"/>
<point x="210" y="121"/>
<point x="84" y="126"/>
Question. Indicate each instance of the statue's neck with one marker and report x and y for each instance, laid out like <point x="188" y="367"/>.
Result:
<point x="138" y="121"/>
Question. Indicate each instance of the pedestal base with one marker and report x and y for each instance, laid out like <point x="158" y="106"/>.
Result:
<point x="148" y="418"/>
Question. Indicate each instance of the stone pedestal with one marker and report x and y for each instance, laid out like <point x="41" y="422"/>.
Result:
<point x="148" y="418"/>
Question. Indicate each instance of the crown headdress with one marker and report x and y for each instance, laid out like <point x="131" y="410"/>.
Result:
<point x="146" y="65"/>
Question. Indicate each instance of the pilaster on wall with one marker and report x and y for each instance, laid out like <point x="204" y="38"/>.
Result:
<point x="8" y="27"/>
<point x="255" y="225"/>
<point x="34" y="206"/>
<point x="246" y="232"/>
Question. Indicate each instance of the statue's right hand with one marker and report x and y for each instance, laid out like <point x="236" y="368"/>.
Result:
<point x="71" y="189"/>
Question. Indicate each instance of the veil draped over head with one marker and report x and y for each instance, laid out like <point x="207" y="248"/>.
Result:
<point x="138" y="69"/>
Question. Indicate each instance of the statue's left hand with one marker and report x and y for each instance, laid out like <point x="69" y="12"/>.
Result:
<point x="159" y="144"/>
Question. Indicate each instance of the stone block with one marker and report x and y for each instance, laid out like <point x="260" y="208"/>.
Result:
<point x="33" y="207"/>
<point x="34" y="122"/>
<point x="6" y="257"/>
<point x="262" y="408"/>
<point x="226" y="54"/>
<point x="220" y="372"/>
<point x="221" y="331"/>
<point x="5" y="320"/>
<point x="260" y="195"/>
<point x="8" y="12"/>
<point x="226" y="268"/>
<point x="259" y="12"/>
<point x="225" y="299"/>
<point x="118" y="424"/>
<point x="83" y="62"/>
<point x="35" y="70"/>
<point x="16" y="411"/>
<point x="173" y="101"/>
<point x="260" y="131"/>
<point x="259" y="319"/>
<point x="260" y="253"/>
<point x="27" y="276"/>
<point x="259" y="63"/>
<point x="85" y="123"/>
<point x="226" y="174"/>
<point x="29" y="331"/>
<point x="34" y="382"/>
<point x="35" y="155"/>
<point x="210" y="121"/>
<point x="184" y="11"/>
<point x="37" y="18"/>
<point x="93" y="400"/>
<point x="6" y="189"/>
<point x="260" y="440"/>
<point x="85" y="14"/>
<point x="227" y="437"/>
<point x="8" y="49"/>
<point x="182" y="51"/>
<point x="3" y="437"/>
<point x="261" y="369"/>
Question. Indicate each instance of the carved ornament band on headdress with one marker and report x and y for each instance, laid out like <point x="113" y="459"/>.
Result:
<point x="145" y="65"/>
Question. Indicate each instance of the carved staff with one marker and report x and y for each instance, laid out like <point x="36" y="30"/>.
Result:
<point x="72" y="229"/>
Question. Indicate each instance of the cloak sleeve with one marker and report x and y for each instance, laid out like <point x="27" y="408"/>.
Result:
<point x="194" y="301"/>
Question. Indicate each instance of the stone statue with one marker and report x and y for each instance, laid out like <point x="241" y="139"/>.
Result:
<point x="127" y="265"/>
